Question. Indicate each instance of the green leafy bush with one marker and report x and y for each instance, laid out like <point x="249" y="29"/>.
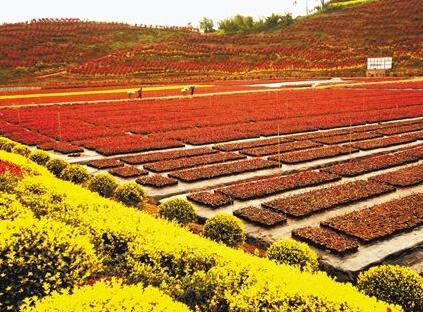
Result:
<point x="131" y="194"/>
<point x="39" y="157"/>
<point x="394" y="284"/>
<point x="224" y="228"/>
<point x="103" y="184"/>
<point x="40" y="256"/>
<point x="75" y="173"/>
<point x="178" y="210"/>
<point x="56" y="166"/>
<point x="21" y="150"/>
<point x="105" y="296"/>
<point x="291" y="252"/>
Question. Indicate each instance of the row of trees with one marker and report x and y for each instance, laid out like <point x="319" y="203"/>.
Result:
<point x="244" y="24"/>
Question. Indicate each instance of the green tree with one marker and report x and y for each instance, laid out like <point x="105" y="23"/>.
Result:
<point x="207" y="25"/>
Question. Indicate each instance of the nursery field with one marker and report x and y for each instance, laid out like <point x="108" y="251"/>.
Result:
<point x="339" y="168"/>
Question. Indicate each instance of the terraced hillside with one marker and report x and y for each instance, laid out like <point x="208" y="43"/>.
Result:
<point x="336" y="42"/>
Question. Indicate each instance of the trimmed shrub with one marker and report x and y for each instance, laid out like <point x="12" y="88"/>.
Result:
<point x="75" y="173"/>
<point x="292" y="252"/>
<point x="394" y="284"/>
<point x="226" y="229"/>
<point x="103" y="184"/>
<point x="39" y="257"/>
<point x="39" y="157"/>
<point x="105" y="296"/>
<point x="178" y="210"/>
<point x="3" y="140"/>
<point x="131" y="194"/>
<point x="8" y="146"/>
<point x="56" y="166"/>
<point x="21" y="150"/>
<point x="10" y="208"/>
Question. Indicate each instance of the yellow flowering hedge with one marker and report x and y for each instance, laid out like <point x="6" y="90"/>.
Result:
<point x="203" y="274"/>
<point x="105" y="296"/>
<point x="39" y="256"/>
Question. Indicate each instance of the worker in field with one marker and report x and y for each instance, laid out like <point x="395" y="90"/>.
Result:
<point x="192" y="89"/>
<point x="140" y="93"/>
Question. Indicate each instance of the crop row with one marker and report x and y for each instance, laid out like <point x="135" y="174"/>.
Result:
<point x="250" y="144"/>
<point x="157" y="181"/>
<point x="305" y="204"/>
<point x="362" y="165"/>
<point x="261" y="216"/>
<point x="278" y="184"/>
<point x="161" y="156"/>
<point x="128" y="172"/>
<point x="347" y="137"/>
<point x="327" y="239"/>
<point x="401" y="129"/>
<point x="279" y="148"/>
<point x="403" y="177"/>
<point x="380" y="221"/>
<point x="219" y="170"/>
<point x="210" y="199"/>
<point x="189" y="162"/>
<point x="105" y="163"/>
<point x="383" y="142"/>
<point x="314" y="154"/>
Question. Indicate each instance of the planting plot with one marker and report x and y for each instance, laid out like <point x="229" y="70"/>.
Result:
<point x="279" y="148"/>
<point x="401" y="129"/>
<point x="219" y="170"/>
<point x="403" y="177"/>
<point x="210" y="199"/>
<point x="274" y="185"/>
<point x="156" y="180"/>
<point x="189" y="162"/>
<point x="383" y="142"/>
<point x="160" y="156"/>
<point x="128" y="172"/>
<point x="250" y="144"/>
<point x="305" y="204"/>
<point x="261" y="216"/>
<point x="362" y="165"/>
<point x="105" y="163"/>
<point x="327" y="239"/>
<point x="381" y="221"/>
<point x="347" y="138"/>
<point x="314" y="154"/>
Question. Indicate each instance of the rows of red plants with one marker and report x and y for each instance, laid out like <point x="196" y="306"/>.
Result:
<point x="380" y="221"/>
<point x="403" y="177"/>
<point x="156" y="180"/>
<point x="220" y="170"/>
<point x="162" y="156"/>
<point x="210" y="199"/>
<point x="327" y="239"/>
<point x="362" y="165"/>
<point x="384" y="142"/>
<point x="261" y="216"/>
<point x="347" y="137"/>
<point x="279" y="148"/>
<point x="189" y="162"/>
<point x="128" y="172"/>
<point x="109" y="128"/>
<point x="314" y="154"/>
<point x="305" y="204"/>
<point x="274" y="185"/>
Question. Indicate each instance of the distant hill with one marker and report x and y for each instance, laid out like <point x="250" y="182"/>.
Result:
<point x="336" y="41"/>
